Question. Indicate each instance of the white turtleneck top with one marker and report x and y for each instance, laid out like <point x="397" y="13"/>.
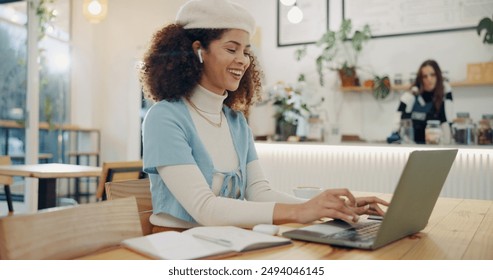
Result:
<point x="190" y="188"/>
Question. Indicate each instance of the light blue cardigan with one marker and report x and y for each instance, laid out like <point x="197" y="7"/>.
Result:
<point x="170" y="138"/>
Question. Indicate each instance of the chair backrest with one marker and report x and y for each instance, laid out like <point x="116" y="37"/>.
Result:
<point x="140" y="189"/>
<point x="69" y="232"/>
<point x="118" y="171"/>
<point x="5" y="180"/>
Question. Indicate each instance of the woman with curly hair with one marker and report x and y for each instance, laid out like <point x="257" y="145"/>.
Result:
<point x="198" y="149"/>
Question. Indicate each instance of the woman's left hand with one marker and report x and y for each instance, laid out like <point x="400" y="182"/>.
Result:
<point x="370" y="205"/>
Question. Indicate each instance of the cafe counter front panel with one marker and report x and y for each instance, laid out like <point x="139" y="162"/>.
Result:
<point x="370" y="168"/>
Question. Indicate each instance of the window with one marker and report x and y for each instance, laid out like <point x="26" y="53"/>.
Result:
<point x="54" y="53"/>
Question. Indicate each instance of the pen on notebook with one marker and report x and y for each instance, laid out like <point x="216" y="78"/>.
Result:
<point x="222" y="242"/>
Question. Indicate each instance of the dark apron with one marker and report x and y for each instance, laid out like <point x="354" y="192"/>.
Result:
<point x="419" y="115"/>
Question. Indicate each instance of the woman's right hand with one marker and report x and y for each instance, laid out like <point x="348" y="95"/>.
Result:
<point x="332" y="203"/>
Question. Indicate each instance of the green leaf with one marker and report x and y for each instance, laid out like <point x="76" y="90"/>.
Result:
<point x="300" y="53"/>
<point x="381" y="87"/>
<point x="345" y="29"/>
<point x="486" y="24"/>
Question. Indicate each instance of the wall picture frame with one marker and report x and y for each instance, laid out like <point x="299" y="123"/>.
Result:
<point x="403" y="17"/>
<point x="314" y="24"/>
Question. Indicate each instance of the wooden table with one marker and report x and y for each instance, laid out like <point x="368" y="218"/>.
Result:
<point x="47" y="175"/>
<point x="457" y="229"/>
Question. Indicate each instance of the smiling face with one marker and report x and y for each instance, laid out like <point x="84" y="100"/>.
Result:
<point x="429" y="78"/>
<point x="225" y="61"/>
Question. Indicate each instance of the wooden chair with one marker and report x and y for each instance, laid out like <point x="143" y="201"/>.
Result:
<point x="118" y="171"/>
<point x="69" y="232"/>
<point x="140" y="189"/>
<point x="7" y="181"/>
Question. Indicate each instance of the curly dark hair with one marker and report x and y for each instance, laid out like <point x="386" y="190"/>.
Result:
<point x="171" y="69"/>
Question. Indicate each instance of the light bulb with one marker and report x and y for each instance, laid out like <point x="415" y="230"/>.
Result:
<point x="60" y="62"/>
<point x="295" y="15"/>
<point x="288" y="2"/>
<point x="95" y="10"/>
<point x="95" y="7"/>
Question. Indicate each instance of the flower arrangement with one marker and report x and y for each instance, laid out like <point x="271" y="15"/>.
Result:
<point x="290" y="106"/>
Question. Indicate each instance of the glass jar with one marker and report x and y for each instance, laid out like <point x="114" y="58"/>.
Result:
<point x="433" y="132"/>
<point x="407" y="131"/>
<point x="464" y="131"/>
<point x="485" y="132"/>
<point x="398" y="79"/>
<point x="412" y="78"/>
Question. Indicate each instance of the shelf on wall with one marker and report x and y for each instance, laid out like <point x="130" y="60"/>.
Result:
<point x="407" y="86"/>
<point x="471" y="84"/>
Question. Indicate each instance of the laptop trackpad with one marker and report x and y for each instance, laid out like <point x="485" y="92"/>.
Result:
<point x="329" y="227"/>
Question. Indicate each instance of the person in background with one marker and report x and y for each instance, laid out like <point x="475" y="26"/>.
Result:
<point x="197" y="147"/>
<point x="430" y="98"/>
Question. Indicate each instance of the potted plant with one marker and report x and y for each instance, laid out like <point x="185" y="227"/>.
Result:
<point x="339" y="52"/>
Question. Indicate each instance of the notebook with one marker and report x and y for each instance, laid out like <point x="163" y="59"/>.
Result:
<point x="201" y="242"/>
<point x="413" y="201"/>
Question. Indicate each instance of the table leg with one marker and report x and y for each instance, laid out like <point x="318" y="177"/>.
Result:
<point x="7" y="130"/>
<point x="77" y="181"/>
<point x="47" y="193"/>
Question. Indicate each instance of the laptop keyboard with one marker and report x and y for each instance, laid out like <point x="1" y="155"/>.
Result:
<point x="360" y="232"/>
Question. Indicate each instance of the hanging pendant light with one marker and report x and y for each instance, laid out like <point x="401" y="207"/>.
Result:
<point x="295" y="14"/>
<point x="288" y="2"/>
<point x="95" y="10"/>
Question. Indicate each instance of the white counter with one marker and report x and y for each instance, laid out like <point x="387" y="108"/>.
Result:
<point x="370" y="167"/>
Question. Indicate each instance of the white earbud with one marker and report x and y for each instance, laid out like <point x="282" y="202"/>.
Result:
<point x="199" y="53"/>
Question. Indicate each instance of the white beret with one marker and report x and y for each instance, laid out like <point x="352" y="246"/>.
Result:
<point x="215" y="14"/>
